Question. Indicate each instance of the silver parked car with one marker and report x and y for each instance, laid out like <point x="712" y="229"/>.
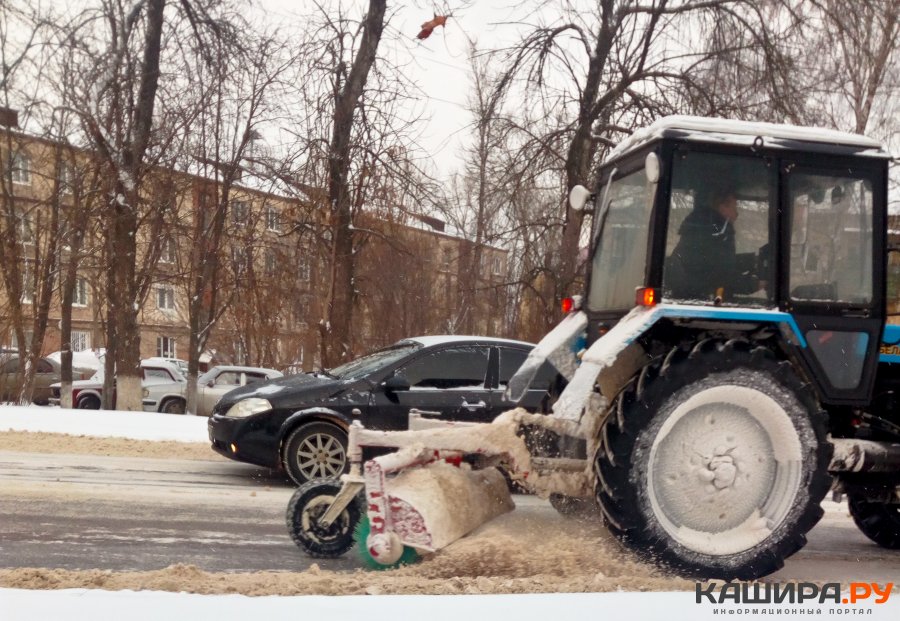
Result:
<point x="218" y="381"/>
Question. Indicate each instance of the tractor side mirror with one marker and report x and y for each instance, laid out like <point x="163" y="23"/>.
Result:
<point x="395" y="383"/>
<point x="579" y="197"/>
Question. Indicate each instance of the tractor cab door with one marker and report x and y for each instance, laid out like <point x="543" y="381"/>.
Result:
<point x="833" y="274"/>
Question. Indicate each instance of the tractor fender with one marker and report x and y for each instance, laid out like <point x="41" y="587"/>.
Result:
<point x="606" y="350"/>
<point x="557" y="347"/>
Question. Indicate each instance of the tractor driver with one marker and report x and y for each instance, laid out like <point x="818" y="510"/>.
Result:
<point x="704" y="263"/>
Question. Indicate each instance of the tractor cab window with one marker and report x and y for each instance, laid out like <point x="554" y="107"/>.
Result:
<point x="621" y="227"/>
<point x="717" y="244"/>
<point x="831" y="239"/>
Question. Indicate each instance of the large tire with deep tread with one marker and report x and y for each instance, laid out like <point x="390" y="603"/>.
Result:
<point x="315" y="451"/>
<point x="879" y="521"/>
<point x="714" y="461"/>
<point x="309" y="502"/>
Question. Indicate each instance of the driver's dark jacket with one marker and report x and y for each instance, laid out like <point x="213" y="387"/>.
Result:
<point x="705" y="260"/>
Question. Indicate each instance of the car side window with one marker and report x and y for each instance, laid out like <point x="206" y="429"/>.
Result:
<point x="150" y="372"/>
<point x="11" y="366"/>
<point x="253" y="378"/>
<point x="44" y="366"/>
<point x="512" y="359"/>
<point x="228" y="378"/>
<point x="455" y="367"/>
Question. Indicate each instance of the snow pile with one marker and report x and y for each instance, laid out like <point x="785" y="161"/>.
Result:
<point x="105" y="423"/>
<point x="87" y="359"/>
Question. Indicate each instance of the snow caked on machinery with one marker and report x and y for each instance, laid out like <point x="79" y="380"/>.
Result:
<point x="728" y="364"/>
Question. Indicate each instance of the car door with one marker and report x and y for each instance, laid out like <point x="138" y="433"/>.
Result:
<point x="510" y="359"/>
<point x="44" y="375"/>
<point x="446" y="384"/>
<point x="8" y="371"/>
<point x="224" y="382"/>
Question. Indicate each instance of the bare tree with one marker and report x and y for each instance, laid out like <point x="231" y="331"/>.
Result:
<point x="232" y="93"/>
<point x="603" y="65"/>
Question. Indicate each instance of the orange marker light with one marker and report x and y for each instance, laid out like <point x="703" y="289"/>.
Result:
<point x="568" y="304"/>
<point x="645" y="296"/>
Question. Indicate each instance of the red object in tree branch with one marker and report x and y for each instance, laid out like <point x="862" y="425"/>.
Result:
<point x="429" y="26"/>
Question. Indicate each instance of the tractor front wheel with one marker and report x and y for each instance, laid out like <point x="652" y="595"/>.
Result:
<point x="714" y="461"/>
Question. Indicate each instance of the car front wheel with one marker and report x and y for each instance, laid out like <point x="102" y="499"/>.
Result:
<point x="89" y="402"/>
<point x="173" y="406"/>
<point x="315" y="451"/>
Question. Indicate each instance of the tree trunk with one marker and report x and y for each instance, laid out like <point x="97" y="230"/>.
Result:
<point x="340" y="308"/>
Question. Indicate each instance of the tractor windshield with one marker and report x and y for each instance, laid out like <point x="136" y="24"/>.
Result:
<point x="619" y="261"/>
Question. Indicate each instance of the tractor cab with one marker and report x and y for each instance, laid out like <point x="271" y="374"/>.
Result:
<point x="733" y="222"/>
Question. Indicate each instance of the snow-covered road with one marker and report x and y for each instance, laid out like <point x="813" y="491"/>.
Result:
<point x="95" y="604"/>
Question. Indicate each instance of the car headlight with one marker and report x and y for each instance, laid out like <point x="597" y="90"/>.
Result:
<point x="248" y="407"/>
<point x="146" y="393"/>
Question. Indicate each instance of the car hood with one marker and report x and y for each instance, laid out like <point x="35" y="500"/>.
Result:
<point x="287" y="391"/>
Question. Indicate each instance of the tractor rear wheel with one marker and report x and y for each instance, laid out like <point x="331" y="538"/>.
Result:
<point x="714" y="462"/>
<point x="878" y="520"/>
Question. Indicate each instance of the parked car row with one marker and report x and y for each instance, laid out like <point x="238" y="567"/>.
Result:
<point x="164" y="386"/>
<point x="47" y="372"/>
<point x="299" y="424"/>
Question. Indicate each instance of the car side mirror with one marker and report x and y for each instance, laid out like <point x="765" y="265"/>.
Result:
<point x="210" y="383"/>
<point x="395" y="383"/>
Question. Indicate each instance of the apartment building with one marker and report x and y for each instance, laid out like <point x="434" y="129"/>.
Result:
<point x="274" y="264"/>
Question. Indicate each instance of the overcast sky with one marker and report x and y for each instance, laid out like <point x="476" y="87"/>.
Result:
<point x="438" y="65"/>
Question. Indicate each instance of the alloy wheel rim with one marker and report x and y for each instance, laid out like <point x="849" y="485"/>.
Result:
<point x="320" y="455"/>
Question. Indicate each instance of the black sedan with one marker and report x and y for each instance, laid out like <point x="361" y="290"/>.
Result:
<point x="300" y="423"/>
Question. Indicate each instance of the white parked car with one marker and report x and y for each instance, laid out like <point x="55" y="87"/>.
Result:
<point x="220" y="380"/>
<point x="163" y="387"/>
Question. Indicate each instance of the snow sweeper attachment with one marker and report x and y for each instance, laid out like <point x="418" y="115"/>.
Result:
<point x="437" y="487"/>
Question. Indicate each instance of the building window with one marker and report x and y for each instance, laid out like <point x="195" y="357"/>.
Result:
<point x="271" y="262"/>
<point x="81" y="340"/>
<point x="241" y="258"/>
<point x="27" y="282"/>
<point x="167" y="253"/>
<point x="65" y="177"/>
<point x="25" y="229"/>
<point x="240" y="212"/>
<point x="301" y="311"/>
<point x="273" y="219"/>
<point x="29" y="337"/>
<point x="303" y="269"/>
<point x="80" y="297"/>
<point x="240" y="352"/>
<point x="20" y="165"/>
<point x="165" y="297"/>
<point x="446" y="258"/>
<point x="165" y="347"/>
<point x="497" y="266"/>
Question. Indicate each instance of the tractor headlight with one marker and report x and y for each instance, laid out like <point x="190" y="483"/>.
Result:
<point x="248" y="407"/>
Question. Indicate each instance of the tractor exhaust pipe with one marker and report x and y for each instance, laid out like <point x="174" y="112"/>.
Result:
<point x="852" y="455"/>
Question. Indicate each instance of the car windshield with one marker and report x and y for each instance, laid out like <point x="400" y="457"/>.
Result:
<point x="374" y="361"/>
<point x="208" y="376"/>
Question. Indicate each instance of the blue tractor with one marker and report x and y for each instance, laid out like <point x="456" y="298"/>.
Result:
<point x="728" y="364"/>
<point x="740" y="269"/>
